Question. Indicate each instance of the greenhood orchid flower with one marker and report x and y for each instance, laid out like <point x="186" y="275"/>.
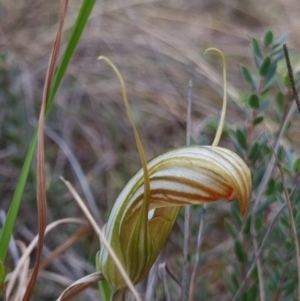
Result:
<point x="146" y="209"/>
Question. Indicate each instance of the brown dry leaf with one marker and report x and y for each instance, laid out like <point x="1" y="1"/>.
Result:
<point x="41" y="186"/>
<point x="11" y="277"/>
<point x="80" y="285"/>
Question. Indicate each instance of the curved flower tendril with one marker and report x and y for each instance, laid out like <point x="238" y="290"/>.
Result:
<point x="146" y="209"/>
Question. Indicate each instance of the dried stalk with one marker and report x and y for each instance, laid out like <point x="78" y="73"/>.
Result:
<point x="187" y="214"/>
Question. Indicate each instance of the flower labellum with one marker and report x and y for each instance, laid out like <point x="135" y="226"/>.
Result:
<point x="146" y="209"/>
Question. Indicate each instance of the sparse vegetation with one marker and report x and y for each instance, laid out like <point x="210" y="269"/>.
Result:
<point x="90" y="143"/>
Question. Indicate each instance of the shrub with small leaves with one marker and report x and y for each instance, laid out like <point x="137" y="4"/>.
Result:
<point x="270" y="97"/>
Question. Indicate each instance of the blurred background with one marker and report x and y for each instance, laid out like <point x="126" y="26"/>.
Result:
<point x="158" y="47"/>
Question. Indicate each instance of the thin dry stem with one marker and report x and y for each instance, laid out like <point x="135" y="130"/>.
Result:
<point x="163" y="274"/>
<point x="197" y="255"/>
<point x="187" y="211"/>
<point x="102" y="238"/>
<point x="78" y="172"/>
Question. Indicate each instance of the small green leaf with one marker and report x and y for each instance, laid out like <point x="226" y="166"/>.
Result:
<point x="258" y="54"/>
<point x="256" y="48"/>
<point x="271" y="286"/>
<point x="235" y="281"/>
<point x="254" y="101"/>
<point x="254" y="151"/>
<point x="231" y="229"/>
<point x="254" y="275"/>
<point x="247" y="227"/>
<point x="288" y="245"/>
<point x="252" y="292"/>
<point x="284" y="221"/>
<point x="258" y="120"/>
<point x="231" y="283"/>
<point x="268" y="38"/>
<point x="241" y="139"/>
<point x="248" y="77"/>
<point x="212" y="125"/>
<point x="287" y="81"/>
<point x="259" y="225"/>
<point x="280" y="101"/>
<point x="265" y="66"/>
<point x="271" y="74"/>
<point x="239" y="251"/>
<point x="236" y="214"/>
<point x="271" y="187"/>
<point x="296" y="165"/>
<point x="295" y="213"/>
<point x="290" y="285"/>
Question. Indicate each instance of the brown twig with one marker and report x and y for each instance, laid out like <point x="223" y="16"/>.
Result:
<point x="291" y="76"/>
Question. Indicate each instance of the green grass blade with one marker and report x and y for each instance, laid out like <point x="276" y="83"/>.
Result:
<point x="14" y="207"/>
<point x="7" y="229"/>
<point x="82" y="18"/>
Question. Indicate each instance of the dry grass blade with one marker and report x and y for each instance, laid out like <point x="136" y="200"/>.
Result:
<point x="102" y="238"/>
<point x="80" y="285"/>
<point x="41" y="186"/>
<point x="23" y="275"/>
<point x="163" y="274"/>
<point x="75" y="237"/>
<point x="78" y="172"/>
<point x="11" y="278"/>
